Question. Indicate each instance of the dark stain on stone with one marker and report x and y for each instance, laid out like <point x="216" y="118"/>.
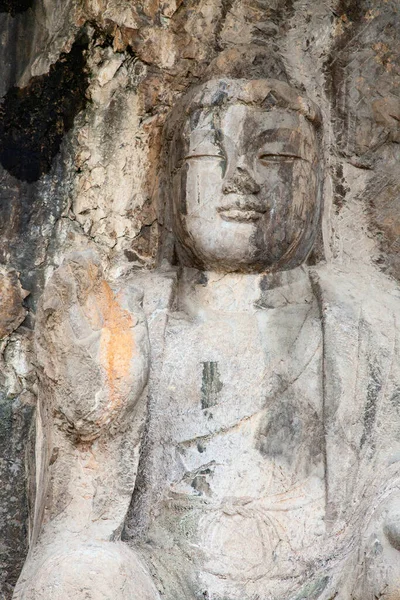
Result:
<point x="15" y="7"/>
<point x="194" y="118"/>
<point x="349" y="15"/>
<point x="359" y="72"/>
<point x="211" y="384"/>
<point x="313" y="590"/>
<point x="285" y="427"/>
<point x="220" y="96"/>
<point x="392" y="532"/>
<point x="15" y="426"/>
<point x="200" y="447"/>
<point x="34" y="119"/>
<point x="353" y="11"/>
<point x="270" y="281"/>
<point x="201" y="485"/>
<point x="340" y="188"/>
<point x="132" y="256"/>
<point x="381" y="198"/>
<point x="198" y="479"/>
<point x="373" y="389"/>
<point x="202" y="278"/>
<point x="28" y="217"/>
<point x="281" y="432"/>
<point x="277" y="225"/>
<point x="142" y="248"/>
<point x="182" y="198"/>
<point x="270" y="101"/>
<point x="219" y="141"/>
<point x="395" y="398"/>
<point x="226" y="6"/>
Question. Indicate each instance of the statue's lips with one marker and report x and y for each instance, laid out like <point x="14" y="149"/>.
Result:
<point x="241" y="215"/>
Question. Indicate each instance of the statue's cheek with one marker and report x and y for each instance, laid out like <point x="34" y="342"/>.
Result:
<point x="203" y="184"/>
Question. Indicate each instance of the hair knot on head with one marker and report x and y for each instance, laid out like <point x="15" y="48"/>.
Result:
<point x="251" y="75"/>
<point x="268" y="94"/>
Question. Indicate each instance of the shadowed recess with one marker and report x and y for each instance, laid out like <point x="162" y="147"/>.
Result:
<point x="33" y="119"/>
<point x="14" y="7"/>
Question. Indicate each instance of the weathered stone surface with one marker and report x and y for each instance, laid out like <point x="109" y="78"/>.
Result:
<point x="12" y="312"/>
<point x="15" y="441"/>
<point x="104" y="177"/>
<point x="17" y="409"/>
<point x="262" y="187"/>
<point x="34" y="119"/>
<point x="95" y="570"/>
<point x="91" y="345"/>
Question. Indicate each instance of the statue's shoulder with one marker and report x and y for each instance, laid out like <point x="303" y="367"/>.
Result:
<point x="157" y="289"/>
<point x="350" y="291"/>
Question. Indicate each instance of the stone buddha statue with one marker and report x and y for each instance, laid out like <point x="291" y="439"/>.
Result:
<point x="239" y="451"/>
<point x="244" y="406"/>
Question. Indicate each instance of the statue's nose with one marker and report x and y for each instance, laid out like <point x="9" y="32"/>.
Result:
<point x="241" y="182"/>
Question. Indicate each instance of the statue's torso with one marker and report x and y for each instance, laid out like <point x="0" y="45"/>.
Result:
<point x="236" y="427"/>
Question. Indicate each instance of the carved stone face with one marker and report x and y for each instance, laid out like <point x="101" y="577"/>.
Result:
<point x="245" y="187"/>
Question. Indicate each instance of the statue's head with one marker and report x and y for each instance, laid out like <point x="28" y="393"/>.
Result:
<point x="244" y="174"/>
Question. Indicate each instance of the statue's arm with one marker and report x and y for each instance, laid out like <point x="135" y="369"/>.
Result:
<point x="92" y="348"/>
<point x="93" y="358"/>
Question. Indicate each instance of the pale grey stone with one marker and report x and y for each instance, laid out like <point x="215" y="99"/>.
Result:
<point x="235" y="175"/>
<point x="266" y="469"/>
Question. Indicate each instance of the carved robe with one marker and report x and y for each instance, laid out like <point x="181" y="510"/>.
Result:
<point x="272" y="436"/>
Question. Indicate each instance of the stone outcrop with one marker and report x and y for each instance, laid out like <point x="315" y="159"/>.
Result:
<point x="92" y="151"/>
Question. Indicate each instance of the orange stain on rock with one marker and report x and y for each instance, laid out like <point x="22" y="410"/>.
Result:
<point x="117" y="345"/>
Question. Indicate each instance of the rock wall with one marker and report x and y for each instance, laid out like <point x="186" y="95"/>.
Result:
<point x="86" y="86"/>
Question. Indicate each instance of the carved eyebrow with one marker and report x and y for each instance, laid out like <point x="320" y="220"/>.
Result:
<point x="204" y="155"/>
<point x="285" y="142"/>
<point x="277" y="154"/>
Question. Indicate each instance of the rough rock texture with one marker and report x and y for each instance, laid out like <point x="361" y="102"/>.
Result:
<point x="12" y="295"/>
<point x="92" y="350"/>
<point x="16" y="410"/>
<point x="87" y="87"/>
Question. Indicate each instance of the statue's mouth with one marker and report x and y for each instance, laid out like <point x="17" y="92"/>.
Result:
<point x="243" y="209"/>
<point x="240" y="215"/>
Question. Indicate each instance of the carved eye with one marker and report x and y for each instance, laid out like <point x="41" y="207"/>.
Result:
<point x="277" y="158"/>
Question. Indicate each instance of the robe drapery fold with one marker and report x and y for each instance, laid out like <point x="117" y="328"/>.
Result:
<point x="361" y="383"/>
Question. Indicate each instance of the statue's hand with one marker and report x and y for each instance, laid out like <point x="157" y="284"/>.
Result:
<point x="92" y="345"/>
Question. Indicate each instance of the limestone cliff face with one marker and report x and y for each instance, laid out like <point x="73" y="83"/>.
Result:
<point x="86" y="87"/>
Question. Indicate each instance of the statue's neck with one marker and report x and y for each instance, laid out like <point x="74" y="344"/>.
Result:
<point x="241" y="292"/>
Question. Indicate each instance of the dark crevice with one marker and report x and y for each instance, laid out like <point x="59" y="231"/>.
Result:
<point x="225" y="8"/>
<point x="34" y="119"/>
<point x="350" y="14"/>
<point x="15" y="7"/>
<point x="354" y="10"/>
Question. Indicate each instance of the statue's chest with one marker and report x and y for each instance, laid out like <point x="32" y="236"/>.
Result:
<point x="242" y="389"/>
<point x="214" y="373"/>
<point x="238" y="422"/>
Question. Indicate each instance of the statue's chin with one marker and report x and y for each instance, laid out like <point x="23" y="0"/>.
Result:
<point x="212" y="258"/>
<point x="238" y="254"/>
<point x="97" y="570"/>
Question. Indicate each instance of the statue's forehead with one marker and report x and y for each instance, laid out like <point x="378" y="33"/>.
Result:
<point x="246" y="126"/>
<point x="235" y="117"/>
